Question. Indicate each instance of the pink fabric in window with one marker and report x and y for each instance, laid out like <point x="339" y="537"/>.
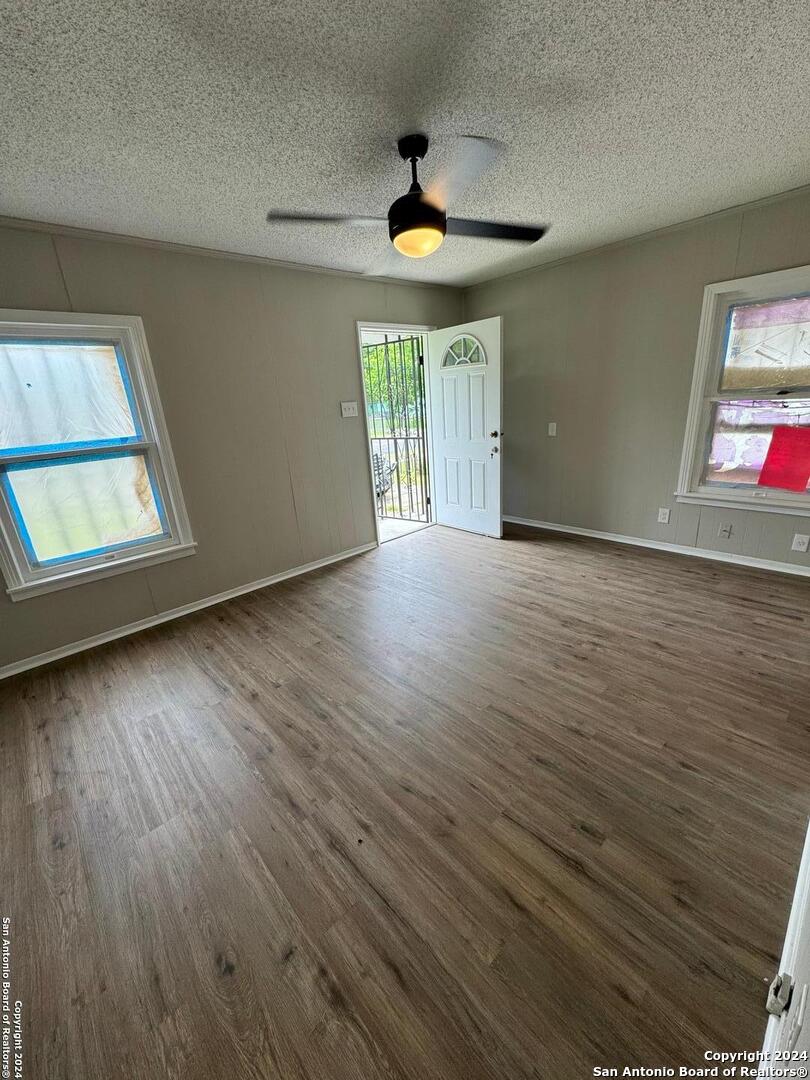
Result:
<point x="779" y="313"/>
<point x="787" y="463"/>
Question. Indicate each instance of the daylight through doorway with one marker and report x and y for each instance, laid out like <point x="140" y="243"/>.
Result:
<point x="396" y="415"/>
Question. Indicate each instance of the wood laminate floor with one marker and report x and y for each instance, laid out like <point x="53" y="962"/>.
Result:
<point x="455" y="809"/>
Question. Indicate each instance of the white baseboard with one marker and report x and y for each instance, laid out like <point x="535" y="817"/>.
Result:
<point x="174" y="613"/>
<point x="660" y="545"/>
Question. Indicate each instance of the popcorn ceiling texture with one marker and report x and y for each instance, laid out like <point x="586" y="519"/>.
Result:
<point x="187" y="120"/>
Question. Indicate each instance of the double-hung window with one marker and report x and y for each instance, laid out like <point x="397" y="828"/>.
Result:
<point x="748" y="431"/>
<point x="88" y="485"/>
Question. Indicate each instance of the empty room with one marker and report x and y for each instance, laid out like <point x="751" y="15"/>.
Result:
<point x="404" y="540"/>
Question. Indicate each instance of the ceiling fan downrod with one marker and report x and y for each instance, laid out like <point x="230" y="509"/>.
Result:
<point x="413" y="148"/>
<point x="416" y="227"/>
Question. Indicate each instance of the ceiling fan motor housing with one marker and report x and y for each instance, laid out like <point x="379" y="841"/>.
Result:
<point x="412" y="146"/>
<point x="412" y="211"/>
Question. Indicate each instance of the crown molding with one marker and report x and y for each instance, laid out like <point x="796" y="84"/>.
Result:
<point x="664" y="230"/>
<point x="55" y="229"/>
<point x="79" y="233"/>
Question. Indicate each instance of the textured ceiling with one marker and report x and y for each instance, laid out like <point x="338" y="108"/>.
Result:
<point x="187" y="120"/>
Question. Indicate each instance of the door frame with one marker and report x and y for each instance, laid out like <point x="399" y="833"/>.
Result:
<point x="796" y="927"/>
<point x="405" y="329"/>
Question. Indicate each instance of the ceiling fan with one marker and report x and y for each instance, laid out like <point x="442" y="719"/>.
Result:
<point x="418" y="221"/>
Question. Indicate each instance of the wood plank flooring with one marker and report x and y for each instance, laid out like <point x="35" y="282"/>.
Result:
<point x="455" y="809"/>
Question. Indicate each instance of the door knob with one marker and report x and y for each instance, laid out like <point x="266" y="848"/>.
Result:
<point x="494" y="434"/>
<point x="494" y="450"/>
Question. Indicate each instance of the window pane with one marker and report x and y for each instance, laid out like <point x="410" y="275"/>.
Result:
<point x="741" y="437"/>
<point x="465" y="350"/>
<point x="72" y="508"/>
<point x="52" y="394"/>
<point x="768" y="345"/>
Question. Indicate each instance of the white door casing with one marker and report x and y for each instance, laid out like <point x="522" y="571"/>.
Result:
<point x="464" y="375"/>
<point x="789" y="1033"/>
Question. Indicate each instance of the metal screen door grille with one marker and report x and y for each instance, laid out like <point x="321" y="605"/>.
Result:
<point x="395" y="406"/>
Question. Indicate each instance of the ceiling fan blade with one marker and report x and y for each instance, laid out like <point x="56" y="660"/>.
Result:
<point x="494" y="230"/>
<point x="473" y="156"/>
<point x="325" y="219"/>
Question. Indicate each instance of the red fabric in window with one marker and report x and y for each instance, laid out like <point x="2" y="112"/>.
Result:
<point x="787" y="463"/>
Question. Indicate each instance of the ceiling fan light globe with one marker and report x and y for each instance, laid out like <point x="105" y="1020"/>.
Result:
<point x="419" y="242"/>
<point x="415" y="226"/>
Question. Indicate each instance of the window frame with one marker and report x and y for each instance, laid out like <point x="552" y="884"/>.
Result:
<point x="705" y="393"/>
<point x="126" y="333"/>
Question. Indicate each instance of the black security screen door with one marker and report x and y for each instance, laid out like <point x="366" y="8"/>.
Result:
<point x="394" y="379"/>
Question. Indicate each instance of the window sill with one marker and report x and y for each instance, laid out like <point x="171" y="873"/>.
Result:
<point x="79" y="577"/>
<point x="769" y="503"/>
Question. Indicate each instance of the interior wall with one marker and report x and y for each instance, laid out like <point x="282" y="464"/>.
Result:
<point x="252" y="361"/>
<point x="604" y="344"/>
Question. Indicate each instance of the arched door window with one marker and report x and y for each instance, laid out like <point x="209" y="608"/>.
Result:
<point x="463" y="350"/>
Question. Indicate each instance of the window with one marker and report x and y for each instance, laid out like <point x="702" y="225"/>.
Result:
<point x="464" y="350"/>
<point x="748" y="431"/>
<point x="88" y="485"/>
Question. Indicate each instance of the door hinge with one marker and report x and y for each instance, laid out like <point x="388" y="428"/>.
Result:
<point x="427" y="500"/>
<point x="421" y="361"/>
<point x="779" y="994"/>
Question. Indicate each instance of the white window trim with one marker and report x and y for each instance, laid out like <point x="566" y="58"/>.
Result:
<point x="22" y="580"/>
<point x="717" y="298"/>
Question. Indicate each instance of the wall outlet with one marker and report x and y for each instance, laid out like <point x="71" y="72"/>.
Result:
<point x="663" y="515"/>
<point x="348" y="408"/>
<point x="552" y="429"/>
<point x="800" y="542"/>
<point x="725" y="530"/>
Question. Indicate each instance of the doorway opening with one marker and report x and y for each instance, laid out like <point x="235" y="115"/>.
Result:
<point x="392" y="362"/>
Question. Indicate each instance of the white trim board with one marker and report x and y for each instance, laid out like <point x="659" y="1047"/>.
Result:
<point x="174" y="613"/>
<point x="664" y="230"/>
<point x="660" y="545"/>
<point x="54" y="230"/>
<point x="778" y="1026"/>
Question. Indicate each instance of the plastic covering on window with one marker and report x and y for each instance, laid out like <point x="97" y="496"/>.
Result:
<point x="57" y="394"/>
<point x="741" y="437"/>
<point x="768" y="345"/>
<point x="73" y="509"/>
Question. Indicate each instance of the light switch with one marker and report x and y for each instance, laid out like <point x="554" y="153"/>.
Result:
<point x="552" y="429"/>
<point x="348" y="408"/>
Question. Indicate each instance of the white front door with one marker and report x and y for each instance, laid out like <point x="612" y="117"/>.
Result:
<point x="787" y="1037"/>
<point x="464" y="365"/>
